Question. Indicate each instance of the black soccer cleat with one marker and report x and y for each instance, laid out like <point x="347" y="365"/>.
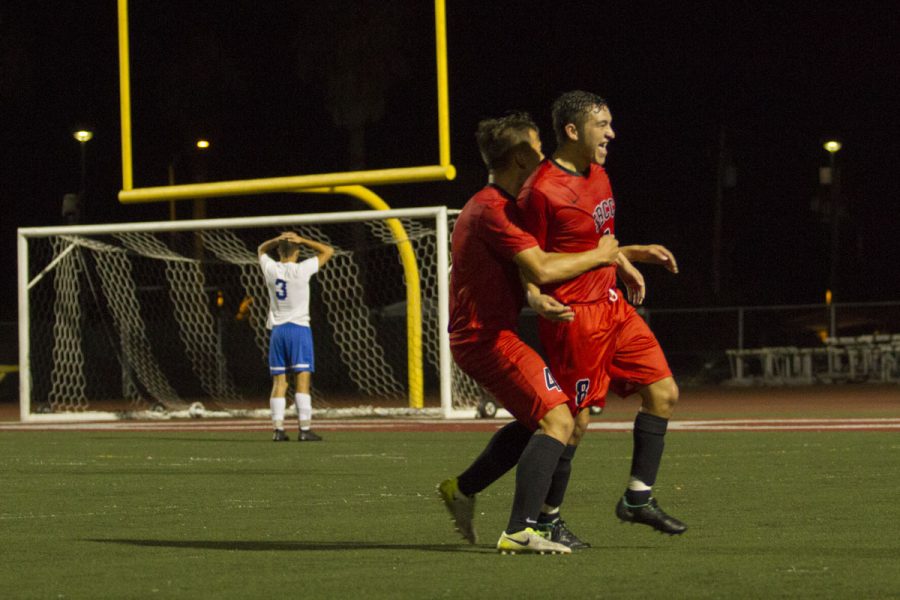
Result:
<point x="280" y="436"/>
<point x="650" y="514"/>
<point x="308" y="436"/>
<point x="557" y="531"/>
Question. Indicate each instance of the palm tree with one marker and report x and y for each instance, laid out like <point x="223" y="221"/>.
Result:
<point x="353" y="49"/>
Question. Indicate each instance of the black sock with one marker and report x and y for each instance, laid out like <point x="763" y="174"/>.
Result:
<point x="649" y="441"/>
<point x="533" y="476"/>
<point x="499" y="456"/>
<point x="560" y="480"/>
<point x="546" y="519"/>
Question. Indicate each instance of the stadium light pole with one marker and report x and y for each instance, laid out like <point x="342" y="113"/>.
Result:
<point x="833" y="147"/>
<point x="83" y="136"/>
<point x="200" y="145"/>
<point x="73" y="203"/>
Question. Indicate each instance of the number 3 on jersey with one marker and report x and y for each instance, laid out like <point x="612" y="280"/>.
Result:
<point x="280" y="289"/>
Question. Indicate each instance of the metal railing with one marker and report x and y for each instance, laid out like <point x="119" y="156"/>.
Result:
<point x="830" y="310"/>
<point x="699" y="341"/>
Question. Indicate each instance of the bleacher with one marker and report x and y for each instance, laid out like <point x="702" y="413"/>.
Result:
<point x="874" y="357"/>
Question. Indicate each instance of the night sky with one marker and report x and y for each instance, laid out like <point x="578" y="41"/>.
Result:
<point x="280" y="88"/>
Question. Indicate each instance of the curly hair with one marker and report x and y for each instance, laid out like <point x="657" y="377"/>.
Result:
<point x="497" y="138"/>
<point x="573" y="107"/>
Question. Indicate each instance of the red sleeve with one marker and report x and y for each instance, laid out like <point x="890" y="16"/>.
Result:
<point x="533" y="206"/>
<point x="502" y="231"/>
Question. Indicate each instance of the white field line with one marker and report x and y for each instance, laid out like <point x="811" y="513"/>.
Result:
<point x="855" y="424"/>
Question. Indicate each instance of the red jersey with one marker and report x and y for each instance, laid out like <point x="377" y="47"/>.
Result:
<point x="570" y="212"/>
<point x="485" y="290"/>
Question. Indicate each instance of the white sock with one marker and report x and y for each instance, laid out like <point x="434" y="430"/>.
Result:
<point x="277" y="405"/>
<point x="550" y="510"/>
<point x="304" y="410"/>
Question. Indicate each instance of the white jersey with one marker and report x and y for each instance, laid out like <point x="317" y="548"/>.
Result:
<point x="288" y="285"/>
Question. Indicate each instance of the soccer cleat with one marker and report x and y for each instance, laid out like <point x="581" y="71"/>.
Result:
<point x="308" y="436"/>
<point x="557" y="531"/>
<point x="460" y="507"/>
<point x="280" y="436"/>
<point x="528" y="541"/>
<point x="650" y="514"/>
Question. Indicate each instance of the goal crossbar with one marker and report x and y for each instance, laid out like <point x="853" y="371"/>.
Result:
<point x="245" y="222"/>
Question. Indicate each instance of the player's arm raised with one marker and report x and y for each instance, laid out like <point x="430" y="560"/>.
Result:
<point x="651" y="253"/>
<point x="324" y="252"/>
<point x="269" y="244"/>
<point x="547" y="267"/>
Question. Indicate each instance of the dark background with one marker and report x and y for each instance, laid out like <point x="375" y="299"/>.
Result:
<point x="285" y="88"/>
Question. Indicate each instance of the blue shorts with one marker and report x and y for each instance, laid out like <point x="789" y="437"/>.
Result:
<point x="291" y="349"/>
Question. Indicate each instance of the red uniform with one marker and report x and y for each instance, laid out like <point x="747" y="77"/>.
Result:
<point x="608" y="340"/>
<point x="485" y="299"/>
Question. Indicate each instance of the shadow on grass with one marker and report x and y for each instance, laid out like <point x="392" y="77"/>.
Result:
<point x="189" y="438"/>
<point x="299" y="546"/>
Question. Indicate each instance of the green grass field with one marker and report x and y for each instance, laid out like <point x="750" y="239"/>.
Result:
<point x="231" y="515"/>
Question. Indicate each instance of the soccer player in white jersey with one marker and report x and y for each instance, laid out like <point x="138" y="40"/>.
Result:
<point x="290" y="343"/>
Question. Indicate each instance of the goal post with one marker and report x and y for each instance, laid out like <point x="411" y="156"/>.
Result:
<point x="148" y="319"/>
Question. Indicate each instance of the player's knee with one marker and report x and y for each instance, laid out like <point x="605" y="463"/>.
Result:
<point x="661" y="398"/>
<point x="559" y="424"/>
<point x="279" y="386"/>
<point x="582" y="421"/>
<point x="670" y="393"/>
<point x="577" y="434"/>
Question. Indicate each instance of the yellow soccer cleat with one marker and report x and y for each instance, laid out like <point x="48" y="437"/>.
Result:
<point x="460" y="507"/>
<point x="529" y="541"/>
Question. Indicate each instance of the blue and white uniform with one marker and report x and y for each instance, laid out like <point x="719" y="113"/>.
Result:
<point x="290" y="344"/>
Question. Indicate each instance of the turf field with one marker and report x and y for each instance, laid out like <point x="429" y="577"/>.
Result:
<point x="776" y="508"/>
<point x="227" y="514"/>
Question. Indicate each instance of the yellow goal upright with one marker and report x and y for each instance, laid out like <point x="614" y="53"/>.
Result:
<point x="353" y="183"/>
<point x="444" y="170"/>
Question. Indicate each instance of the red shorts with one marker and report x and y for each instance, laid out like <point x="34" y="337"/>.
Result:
<point x="607" y="346"/>
<point x="512" y="372"/>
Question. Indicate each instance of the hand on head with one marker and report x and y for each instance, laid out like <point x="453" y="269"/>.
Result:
<point x="292" y="237"/>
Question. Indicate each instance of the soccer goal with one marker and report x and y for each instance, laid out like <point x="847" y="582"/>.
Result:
<point x="168" y="318"/>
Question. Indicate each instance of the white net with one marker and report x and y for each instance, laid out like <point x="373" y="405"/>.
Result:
<point x="157" y="316"/>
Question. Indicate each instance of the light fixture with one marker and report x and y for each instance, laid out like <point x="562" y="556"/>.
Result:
<point x="83" y="135"/>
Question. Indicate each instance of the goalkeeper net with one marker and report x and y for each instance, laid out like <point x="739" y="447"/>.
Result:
<point x="149" y="319"/>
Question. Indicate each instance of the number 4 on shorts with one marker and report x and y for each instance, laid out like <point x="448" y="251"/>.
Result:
<point x="548" y="379"/>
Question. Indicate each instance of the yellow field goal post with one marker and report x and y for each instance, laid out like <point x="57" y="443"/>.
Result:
<point x="348" y="183"/>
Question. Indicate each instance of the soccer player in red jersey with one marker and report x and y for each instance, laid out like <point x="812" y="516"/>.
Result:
<point x="486" y="294"/>
<point x="568" y="205"/>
